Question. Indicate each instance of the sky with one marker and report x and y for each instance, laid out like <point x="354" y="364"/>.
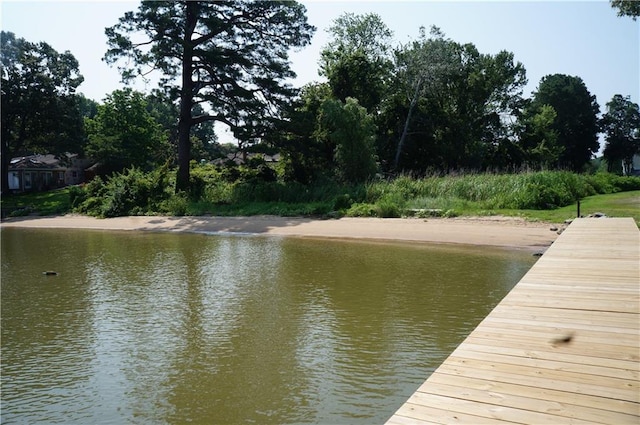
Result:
<point x="580" y="38"/>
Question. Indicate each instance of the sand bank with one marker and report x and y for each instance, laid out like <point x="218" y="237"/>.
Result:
<point x="489" y="231"/>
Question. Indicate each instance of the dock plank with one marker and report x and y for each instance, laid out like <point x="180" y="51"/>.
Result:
<point x="562" y="347"/>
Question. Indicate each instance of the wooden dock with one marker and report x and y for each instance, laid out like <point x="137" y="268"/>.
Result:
<point x="562" y="347"/>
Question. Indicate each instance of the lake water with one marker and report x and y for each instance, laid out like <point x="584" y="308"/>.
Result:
<point x="163" y="328"/>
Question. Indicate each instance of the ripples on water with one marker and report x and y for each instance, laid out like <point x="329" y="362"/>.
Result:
<point x="161" y="328"/>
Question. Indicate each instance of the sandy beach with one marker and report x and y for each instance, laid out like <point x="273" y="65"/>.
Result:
<point x="484" y="231"/>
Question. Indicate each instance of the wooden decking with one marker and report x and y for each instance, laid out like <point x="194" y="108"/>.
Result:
<point x="562" y="347"/>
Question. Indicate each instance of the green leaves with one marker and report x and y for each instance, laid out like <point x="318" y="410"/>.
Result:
<point x="456" y="105"/>
<point x="576" y="123"/>
<point x="124" y="134"/>
<point x="39" y="108"/>
<point x="351" y="129"/>
<point x="627" y="8"/>
<point x="230" y="56"/>
<point x="621" y="124"/>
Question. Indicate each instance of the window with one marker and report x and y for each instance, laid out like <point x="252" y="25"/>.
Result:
<point x="48" y="177"/>
<point x="14" y="180"/>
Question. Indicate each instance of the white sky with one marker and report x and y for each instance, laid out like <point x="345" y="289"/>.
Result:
<point x="581" y="38"/>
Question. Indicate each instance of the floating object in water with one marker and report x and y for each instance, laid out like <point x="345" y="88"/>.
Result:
<point x="50" y="273"/>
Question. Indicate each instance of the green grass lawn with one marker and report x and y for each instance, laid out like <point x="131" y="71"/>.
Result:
<point x="41" y="203"/>
<point x="622" y="204"/>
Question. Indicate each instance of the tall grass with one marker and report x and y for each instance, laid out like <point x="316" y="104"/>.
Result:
<point x="536" y="190"/>
<point x="214" y="192"/>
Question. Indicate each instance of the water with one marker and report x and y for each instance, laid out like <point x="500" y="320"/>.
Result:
<point x="182" y="328"/>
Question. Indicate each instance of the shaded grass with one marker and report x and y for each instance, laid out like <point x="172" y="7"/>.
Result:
<point x="40" y="203"/>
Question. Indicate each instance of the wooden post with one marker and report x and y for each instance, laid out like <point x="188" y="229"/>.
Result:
<point x="578" y="213"/>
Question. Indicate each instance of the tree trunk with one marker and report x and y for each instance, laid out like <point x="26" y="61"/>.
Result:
<point x="414" y="100"/>
<point x="186" y="100"/>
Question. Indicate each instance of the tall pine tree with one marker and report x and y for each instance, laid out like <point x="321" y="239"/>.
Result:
<point x="230" y="57"/>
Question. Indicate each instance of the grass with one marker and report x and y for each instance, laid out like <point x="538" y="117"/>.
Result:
<point x="543" y="196"/>
<point x="40" y="203"/>
<point x="622" y="204"/>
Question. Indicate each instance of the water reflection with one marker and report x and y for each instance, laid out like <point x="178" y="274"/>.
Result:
<point x="164" y="328"/>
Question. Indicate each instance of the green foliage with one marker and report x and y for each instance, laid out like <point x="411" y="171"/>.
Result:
<point x="627" y="8"/>
<point x="352" y="131"/>
<point x="40" y="112"/>
<point x="236" y="50"/>
<point x="386" y="208"/>
<point x="36" y="203"/>
<point x="131" y="192"/>
<point x="447" y="106"/>
<point x="342" y="202"/>
<point x="359" y="209"/>
<point x="539" y="140"/>
<point x="541" y="195"/>
<point x="356" y="61"/>
<point x="77" y="195"/>
<point x="621" y="124"/>
<point x="307" y="155"/>
<point x="541" y="190"/>
<point x="576" y="122"/>
<point x="124" y="134"/>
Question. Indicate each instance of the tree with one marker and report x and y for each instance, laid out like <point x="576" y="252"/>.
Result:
<point x="452" y="104"/>
<point x="204" y="141"/>
<point x="307" y="153"/>
<point x="125" y="134"/>
<point x="539" y="140"/>
<point x="230" y="57"/>
<point x="621" y="124"/>
<point x="351" y="129"/>
<point x="40" y="112"/>
<point x="357" y="60"/>
<point x="423" y="67"/>
<point x="576" y="122"/>
<point x="88" y="107"/>
<point x="627" y="8"/>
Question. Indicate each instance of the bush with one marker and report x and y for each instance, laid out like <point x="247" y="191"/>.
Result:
<point x="342" y="202"/>
<point x="387" y="209"/>
<point x="131" y="192"/>
<point x="77" y="195"/>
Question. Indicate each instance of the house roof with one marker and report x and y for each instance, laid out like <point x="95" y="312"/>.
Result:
<point x="35" y="161"/>
<point x="47" y="162"/>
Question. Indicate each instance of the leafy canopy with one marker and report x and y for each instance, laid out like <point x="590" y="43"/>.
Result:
<point x="124" y="134"/>
<point x="40" y="111"/>
<point x="231" y="57"/>
<point x="621" y="124"/>
<point x="576" y="122"/>
<point x="627" y="8"/>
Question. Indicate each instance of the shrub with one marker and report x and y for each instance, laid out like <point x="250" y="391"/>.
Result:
<point x="342" y="202"/>
<point x="387" y="209"/>
<point x="77" y="195"/>
<point x="131" y="192"/>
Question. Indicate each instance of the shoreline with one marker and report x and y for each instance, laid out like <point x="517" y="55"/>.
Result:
<point x="497" y="231"/>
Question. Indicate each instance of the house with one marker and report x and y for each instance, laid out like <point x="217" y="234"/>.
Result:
<point x="45" y="172"/>
<point x="238" y="158"/>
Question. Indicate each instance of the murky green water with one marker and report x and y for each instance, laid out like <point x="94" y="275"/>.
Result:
<point x="166" y="328"/>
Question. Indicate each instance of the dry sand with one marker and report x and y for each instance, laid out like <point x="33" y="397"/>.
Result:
<point x="487" y="231"/>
